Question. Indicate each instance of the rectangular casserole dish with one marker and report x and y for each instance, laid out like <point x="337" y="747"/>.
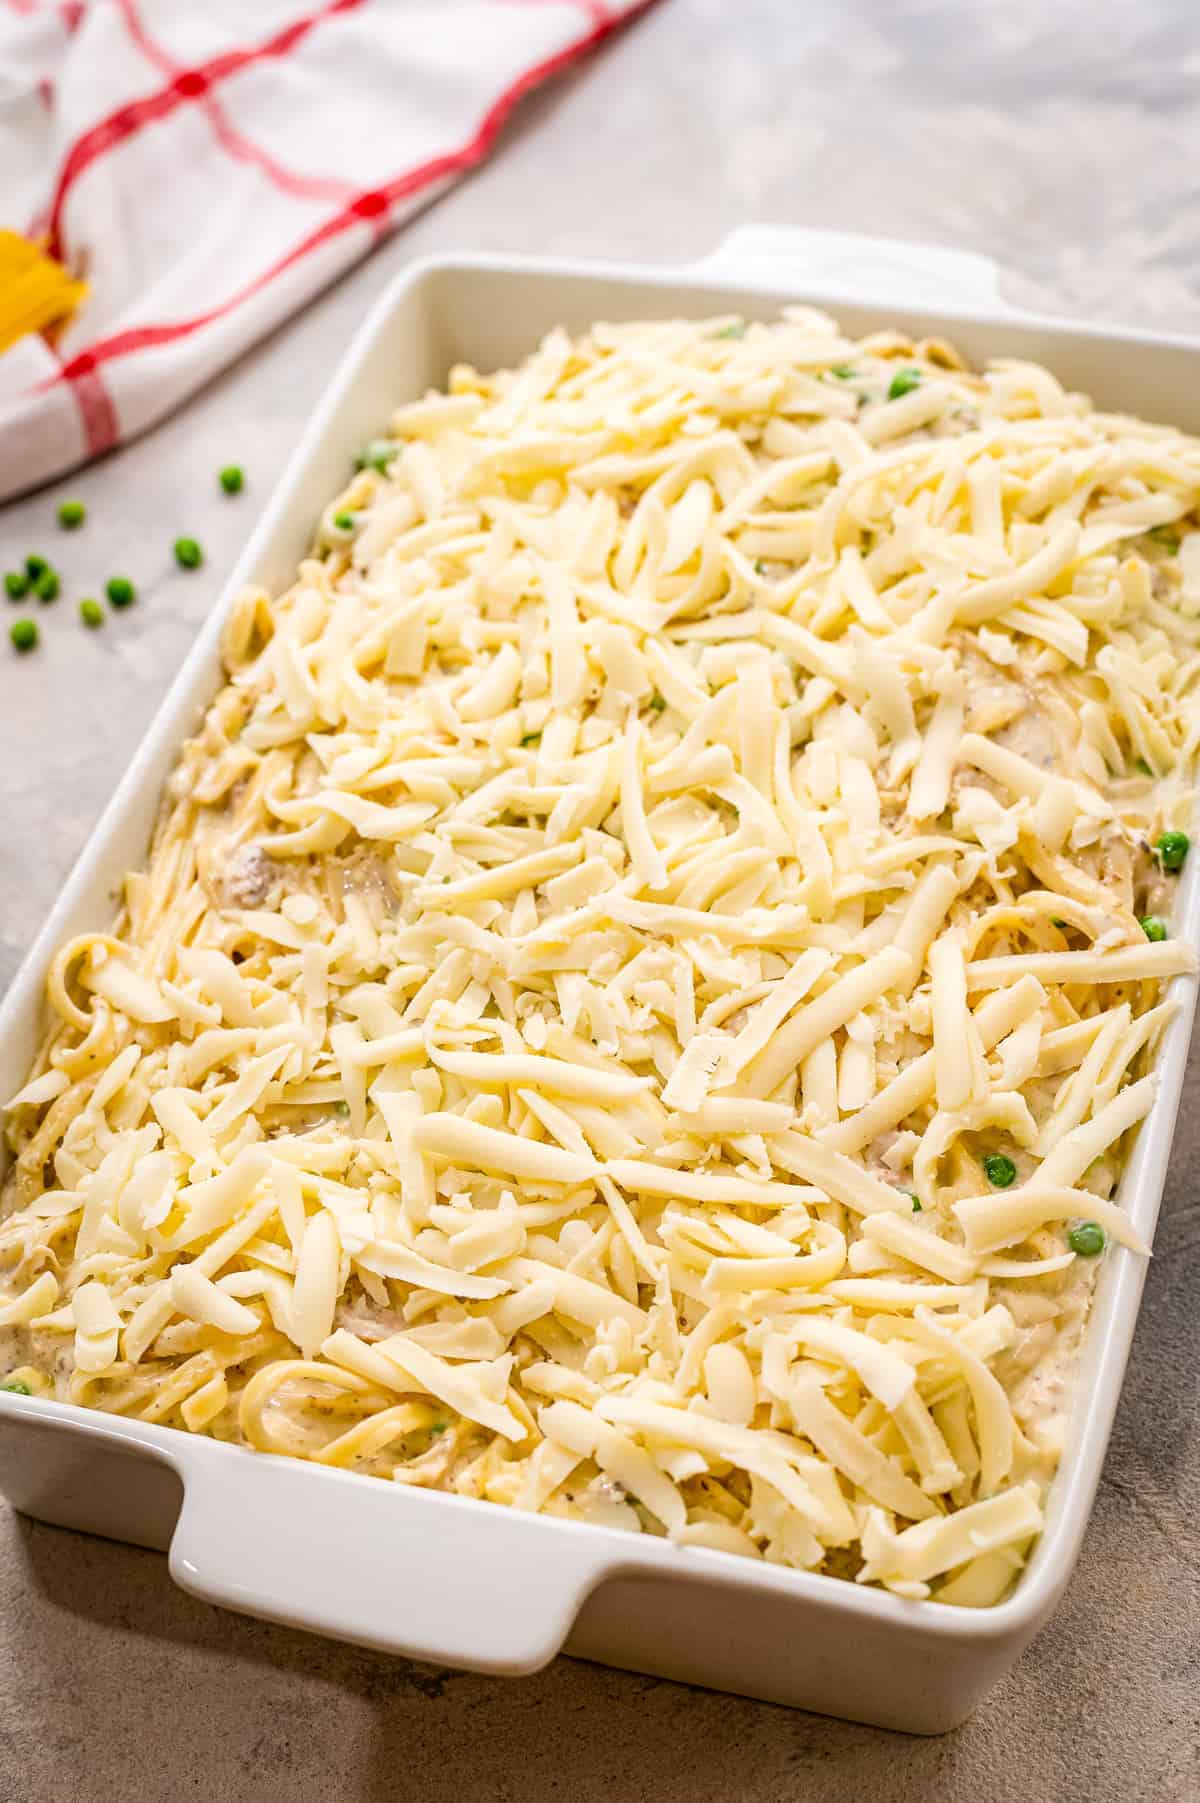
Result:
<point x="466" y="1583"/>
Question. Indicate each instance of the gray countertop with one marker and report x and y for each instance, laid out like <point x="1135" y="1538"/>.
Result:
<point x="1062" y="141"/>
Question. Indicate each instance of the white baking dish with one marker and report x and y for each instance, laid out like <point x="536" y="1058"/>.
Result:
<point x="467" y="1583"/>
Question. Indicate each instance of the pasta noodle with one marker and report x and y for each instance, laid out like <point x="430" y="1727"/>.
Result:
<point x="643" y="963"/>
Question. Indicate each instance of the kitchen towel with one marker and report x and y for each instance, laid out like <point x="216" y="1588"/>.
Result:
<point x="207" y="169"/>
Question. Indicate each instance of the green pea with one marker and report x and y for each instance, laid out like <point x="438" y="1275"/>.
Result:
<point x="843" y="371"/>
<point x="1154" y="928"/>
<point x="71" y="514"/>
<point x="437" y="1428"/>
<point x="915" y="1200"/>
<point x="24" y="634"/>
<point x="999" y="1170"/>
<point x="657" y="703"/>
<point x="34" y="567"/>
<point x="344" y="522"/>
<point x="16" y="584"/>
<point x="232" y="479"/>
<point x="188" y="554"/>
<point x="46" y="586"/>
<point x="903" y="382"/>
<point x="738" y="330"/>
<point x="376" y="455"/>
<point x="15" y="1387"/>
<point x="91" y="612"/>
<point x="1087" y="1239"/>
<point x="120" y="591"/>
<point x="1172" y="849"/>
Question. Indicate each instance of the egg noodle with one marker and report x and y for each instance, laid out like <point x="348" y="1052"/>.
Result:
<point x="644" y="966"/>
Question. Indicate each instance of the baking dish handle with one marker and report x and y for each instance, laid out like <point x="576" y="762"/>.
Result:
<point x="396" y="1568"/>
<point x="852" y="266"/>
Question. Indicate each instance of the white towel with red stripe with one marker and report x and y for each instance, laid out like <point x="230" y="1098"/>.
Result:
<point x="208" y="168"/>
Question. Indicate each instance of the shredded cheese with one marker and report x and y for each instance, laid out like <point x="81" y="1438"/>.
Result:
<point x="626" y="895"/>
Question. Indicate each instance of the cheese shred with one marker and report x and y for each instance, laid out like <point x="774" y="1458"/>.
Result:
<point x="640" y="971"/>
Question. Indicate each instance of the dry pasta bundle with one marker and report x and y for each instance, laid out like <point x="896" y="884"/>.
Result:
<point x="647" y="975"/>
<point x="36" y="293"/>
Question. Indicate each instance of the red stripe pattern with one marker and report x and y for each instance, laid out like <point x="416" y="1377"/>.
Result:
<point x="184" y="85"/>
<point x="97" y="413"/>
<point x="245" y="178"/>
<point x="368" y="207"/>
<point x="191" y="84"/>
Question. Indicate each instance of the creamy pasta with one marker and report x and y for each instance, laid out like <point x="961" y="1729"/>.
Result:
<point x="647" y="975"/>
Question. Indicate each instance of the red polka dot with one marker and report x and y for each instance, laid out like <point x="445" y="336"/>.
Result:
<point x="191" y="83"/>
<point x="370" y="206"/>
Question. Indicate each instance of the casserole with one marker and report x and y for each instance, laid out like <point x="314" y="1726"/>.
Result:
<point x="431" y="322"/>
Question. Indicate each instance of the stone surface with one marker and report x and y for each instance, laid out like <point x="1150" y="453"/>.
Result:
<point x="1060" y="140"/>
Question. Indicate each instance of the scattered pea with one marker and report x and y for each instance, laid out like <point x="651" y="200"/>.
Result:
<point x="843" y="371"/>
<point x="376" y="455"/>
<point x="915" y="1200"/>
<point x="34" y="567"/>
<point x="15" y="1387"/>
<point x="232" y="479"/>
<point x="1087" y="1239"/>
<point x="903" y="382"/>
<point x="657" y="703"/>
<point x="1172" y="849"/>
<point x="1154" y="928"/>
<point x="737" y="330"/>
<point x="46" y="586"/>
<point x="344" y="521"/>
<point x="91" y="612"/>
<point x="16" y="584"/>
<point x="71" y="514"/>
<point x="120" y="591"/>
<point x="24" y="634"/>
<point x="436" y="1428"/>
<point x="999" y="1170"/>
<point x="188" y="554"/>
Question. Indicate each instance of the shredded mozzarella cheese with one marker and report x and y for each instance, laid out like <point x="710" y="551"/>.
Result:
<point x="630" y="889"/>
